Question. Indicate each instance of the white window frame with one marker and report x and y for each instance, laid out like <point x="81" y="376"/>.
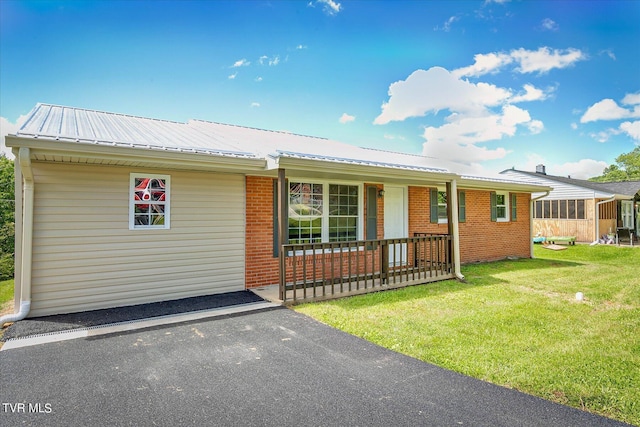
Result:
<point x="626" y="211"/>
<point x="506" y="206"/>
<point x="166" y="203"/>
<point x="444" y="220"/>
<point x="325" y="201"/>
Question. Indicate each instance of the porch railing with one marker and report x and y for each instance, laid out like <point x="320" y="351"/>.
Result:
<point x="316" y="271"/>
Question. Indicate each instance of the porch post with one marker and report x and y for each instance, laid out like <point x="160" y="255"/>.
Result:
<point x="282" y="228"/>
<point x="454" y="229"/>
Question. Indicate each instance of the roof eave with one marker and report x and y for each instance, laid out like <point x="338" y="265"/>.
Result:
<point x="315" y="168"/>
<point x="141" y="156"/>
<point x="483" y="184"/>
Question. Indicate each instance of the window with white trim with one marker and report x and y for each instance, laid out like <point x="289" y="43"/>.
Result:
<point x="149" y="201"/>
<point x="442" y="207"/>
<point x="323" y="212"/>
<point x="502" y="206"/>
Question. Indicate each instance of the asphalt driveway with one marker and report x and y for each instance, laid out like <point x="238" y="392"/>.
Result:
<point x="266" y="368"/>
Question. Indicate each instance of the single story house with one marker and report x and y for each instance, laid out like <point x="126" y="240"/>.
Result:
<point x="115" y="210"/>
<point x="580" y="208"/>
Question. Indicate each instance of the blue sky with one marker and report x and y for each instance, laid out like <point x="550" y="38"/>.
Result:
<point x="479" y="86"/>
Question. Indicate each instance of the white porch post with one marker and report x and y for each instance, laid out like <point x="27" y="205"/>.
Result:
<point x="454" y="228"/>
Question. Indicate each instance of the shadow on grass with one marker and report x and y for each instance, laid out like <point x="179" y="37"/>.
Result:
<point x="476" y="275"/>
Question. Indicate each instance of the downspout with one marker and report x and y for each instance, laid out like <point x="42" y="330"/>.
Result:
<point x="24" y="161"/>
<point x="455" y="229"/>
<point x="598" y="215"/>
<point x="531" y="208"/>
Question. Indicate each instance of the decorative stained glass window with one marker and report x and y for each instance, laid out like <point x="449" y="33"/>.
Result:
<point x="149" y="202"/>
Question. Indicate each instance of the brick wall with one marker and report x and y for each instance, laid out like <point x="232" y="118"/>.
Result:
<point x="480" y="238"/>
<point x="261" y="267"/>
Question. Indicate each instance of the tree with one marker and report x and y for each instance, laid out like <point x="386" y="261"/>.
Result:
<point x="7" y="218"/>
<point x="627" y="168"/>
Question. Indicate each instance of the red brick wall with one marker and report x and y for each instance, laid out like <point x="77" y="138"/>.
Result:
<point x="483" y="240"/>
<point x="261" y="268"/>
<point x="480" y="238"/>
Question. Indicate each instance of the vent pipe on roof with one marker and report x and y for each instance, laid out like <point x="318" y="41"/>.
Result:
<point x="541" y="169"/>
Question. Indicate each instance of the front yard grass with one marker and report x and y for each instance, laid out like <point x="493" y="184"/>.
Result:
<point x="6" y="296"/>
<point x="517" y="323"/>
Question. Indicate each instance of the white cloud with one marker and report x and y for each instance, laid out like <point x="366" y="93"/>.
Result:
<point x="535" y="126"/>
<point x="258" y="79"/>
<point x="632" y="129"/>
<point x="6" y="128"/>
<point x="608" y="109"/>
<point x="484" y="63"/>
<point x="582" y="169"/>
<point x="469" y="130"/>
<point x="533" y="159"/>
<point x="241" y="63"/>
<point x="574" y="126"/>
<point x="434" y="90"/>
<point x="549" y="25"/>
<point x="392" y="137"/>
<point x="330" y="7"/>
<point x="346" y="118"/>
<point x="301" y="47"/>
<point x="255" y="104"/>
<point x="531" y="93"/>
<point x="631" y="99"/>
<point x="609" y="53"/>
<point x="232" y="76"/>
<point x="270" y="61"/>
<point x="545" y="59"/>
<point x="528" y="61"/>
<point x="446" y="27"/>
<point x="480" y="112"/>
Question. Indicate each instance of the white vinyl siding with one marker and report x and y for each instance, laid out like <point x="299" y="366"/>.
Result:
<point x="86" y="257"/>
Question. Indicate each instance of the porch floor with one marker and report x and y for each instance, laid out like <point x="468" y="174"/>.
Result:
<point x="271" y="292"/>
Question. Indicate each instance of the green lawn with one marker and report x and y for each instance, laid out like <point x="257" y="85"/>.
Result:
<point x="6" y="295"/>
<point x="518" y="324"/>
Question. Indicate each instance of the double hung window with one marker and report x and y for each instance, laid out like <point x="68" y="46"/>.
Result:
<point x="323" y="212"/>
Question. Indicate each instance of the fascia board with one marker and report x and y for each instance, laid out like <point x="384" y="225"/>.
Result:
<point x="374" y="173"/>
<point x="488" y="184"/>
<point x="150" y="156"/>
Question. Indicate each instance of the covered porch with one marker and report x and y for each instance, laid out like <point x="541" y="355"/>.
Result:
<point x="376" y="260"/>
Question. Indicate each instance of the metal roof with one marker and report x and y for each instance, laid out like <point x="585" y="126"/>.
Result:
<point x="78" y="125"/>
<point x="70" y="125"/>
<point x="363" y="162"/>
<point x="628" y="188"/>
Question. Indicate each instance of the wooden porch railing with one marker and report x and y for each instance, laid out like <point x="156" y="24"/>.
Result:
<point x="317" y="271"/>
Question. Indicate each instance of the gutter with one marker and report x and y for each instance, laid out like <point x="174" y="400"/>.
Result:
<point x="531" y="207"/>
<point x="26" y="240"/>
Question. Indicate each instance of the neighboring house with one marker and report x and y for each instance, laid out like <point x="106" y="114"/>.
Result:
<point x="584" y="209"/>
<point x="117" y="210"/>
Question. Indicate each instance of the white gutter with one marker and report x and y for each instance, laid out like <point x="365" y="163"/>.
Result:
<point x="598" y="215"/>
<point x="455" y="230"/>
<point x="531" y="208"/>
<point x="24" y="160"/>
